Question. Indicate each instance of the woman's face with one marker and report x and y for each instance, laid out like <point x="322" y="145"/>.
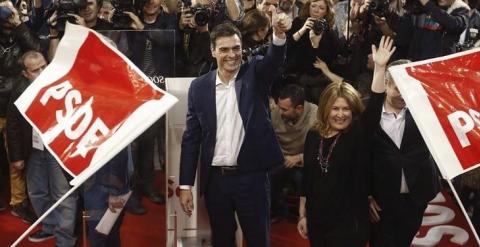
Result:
<point x="340" y="116"/>
<point x="262" y="32"/>
<point x="318" y="9"/>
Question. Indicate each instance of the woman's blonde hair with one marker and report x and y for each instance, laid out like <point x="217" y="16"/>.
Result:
<point x="328" y="97"/>
<point x="304" y="12"/>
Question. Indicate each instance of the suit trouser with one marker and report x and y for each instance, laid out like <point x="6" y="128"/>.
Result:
<point x="17" y="186"/>
<point x="247" y="195"/>
<point x="398" y="223"/>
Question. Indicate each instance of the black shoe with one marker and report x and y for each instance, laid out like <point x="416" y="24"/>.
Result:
<point x="156" y="198"/>
<point x="3" y="206"/>
<point x="40" y="236"/>
<point x="138" y="210"/>
<point x="22" y="211"/>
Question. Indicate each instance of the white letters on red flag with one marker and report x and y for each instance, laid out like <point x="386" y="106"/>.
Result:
<point x="443" y="95"/>
<point x="90" y="102"/>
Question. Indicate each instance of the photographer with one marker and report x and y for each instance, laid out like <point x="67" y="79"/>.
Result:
<point x="15" y="39"/>
<point x="437" y="28"/>
<point x="312" y="36"/>
<point x="84" y="12"/>
<point x="194" y="53"/>
<point x="153" y="51"/>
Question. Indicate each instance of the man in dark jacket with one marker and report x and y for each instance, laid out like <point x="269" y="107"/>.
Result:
<point x="437" y="28"/>
<point x="404" y="176"/>
<point x="45" y="178"/>
<point x="15" y="39"/>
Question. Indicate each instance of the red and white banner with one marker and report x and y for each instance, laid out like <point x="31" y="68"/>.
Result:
<point x="443" y="95"/>
<point x="90" y="102"/>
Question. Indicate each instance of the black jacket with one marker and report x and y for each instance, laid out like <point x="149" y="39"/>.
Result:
<point x="413" y="156"/>
<point x="19" y="131"/>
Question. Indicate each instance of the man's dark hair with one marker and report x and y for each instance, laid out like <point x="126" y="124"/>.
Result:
<point x="225" y="29"/>
<point x="294" y="92"/>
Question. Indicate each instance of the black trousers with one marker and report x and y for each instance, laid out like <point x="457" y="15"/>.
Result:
<point x="336" y="231"/>
<point x="248" y="195"/>
<point x="399" y="223"/>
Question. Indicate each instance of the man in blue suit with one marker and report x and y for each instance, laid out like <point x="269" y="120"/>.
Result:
<point x="229" y="128"/>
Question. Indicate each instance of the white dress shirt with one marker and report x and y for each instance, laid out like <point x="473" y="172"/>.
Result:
<point x="394" y="125"/>
<point x="230" y="129"/>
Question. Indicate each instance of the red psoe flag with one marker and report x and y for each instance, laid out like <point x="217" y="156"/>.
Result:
<point x="443" y="95"/>
<point x="90" y="102"/>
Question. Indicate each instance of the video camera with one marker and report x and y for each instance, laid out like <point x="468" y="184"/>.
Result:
<point x="320" y="26"/>
<point x="64" y="8"/>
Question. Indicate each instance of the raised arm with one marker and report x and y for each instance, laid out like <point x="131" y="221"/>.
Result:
<point x="381" y="55"/>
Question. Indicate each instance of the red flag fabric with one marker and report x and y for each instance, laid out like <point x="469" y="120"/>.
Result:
<point x="443" y="95"/>
<point x="90" y="102"/>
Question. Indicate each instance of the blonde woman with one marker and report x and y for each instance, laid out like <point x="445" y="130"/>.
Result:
<point x="334" y="207"/>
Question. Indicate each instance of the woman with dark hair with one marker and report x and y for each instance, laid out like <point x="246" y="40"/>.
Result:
<point x="334" y="206"/>
<point x="311" y="36"/>
<point x="255" y="28"/>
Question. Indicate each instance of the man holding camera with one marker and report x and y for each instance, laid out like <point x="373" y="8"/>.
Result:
<point x="15" y="39"/>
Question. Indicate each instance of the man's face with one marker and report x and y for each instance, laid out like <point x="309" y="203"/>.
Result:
<point x="90" y="12"/>
<point x="445" y="3"/>
<point x="33" y="67"/>
<point x="106" y="11"/>
<point x="394" y="99"/>
<point x="288" y="111"/>
<point x="228" y="53"/>
<point x="152" y="7"/>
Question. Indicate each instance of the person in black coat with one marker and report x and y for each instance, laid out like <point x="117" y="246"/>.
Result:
<point x="333" y="206"/>
<point x="403" y="175"/>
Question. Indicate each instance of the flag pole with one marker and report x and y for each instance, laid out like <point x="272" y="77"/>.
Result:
<point x="460" y="204"/>
<point x="55" y="205"/>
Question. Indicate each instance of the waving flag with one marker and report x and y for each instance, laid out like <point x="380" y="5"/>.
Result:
<point x="90" y="102"/>
<point x="443" y="95"/>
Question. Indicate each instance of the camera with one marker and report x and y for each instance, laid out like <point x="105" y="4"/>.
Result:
<point x="121" y="20"/>
<point x="320" y="26"/>
<point x="64" y="8"/>
<point x="201" y="14"/>
<point x="5" y="13"/>
<point x="378" y="8"/>
<point x="471" y="39"/>
<point x="260" y="49"/>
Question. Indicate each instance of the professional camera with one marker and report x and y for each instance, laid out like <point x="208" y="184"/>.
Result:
<point x="320" y="26"/>
<point x="471" y="39"/>
<point x="255" y="51"/>
<point x="378" y="8"/>
<point x="120" y="19"/>
<point x="201" y="14"/>
<point x="64" y="8"/>
<point x="5" y="13"/>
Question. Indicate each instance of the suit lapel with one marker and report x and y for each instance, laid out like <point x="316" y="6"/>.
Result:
<point x="210" y="101"/>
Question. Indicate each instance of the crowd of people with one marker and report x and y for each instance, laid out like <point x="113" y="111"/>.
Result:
<point x="302" y="70"/>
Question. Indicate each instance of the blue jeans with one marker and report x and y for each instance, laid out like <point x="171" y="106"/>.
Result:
<point x="46" y="183"/>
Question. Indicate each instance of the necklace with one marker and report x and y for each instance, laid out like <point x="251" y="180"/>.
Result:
<point x="324" y="161"/>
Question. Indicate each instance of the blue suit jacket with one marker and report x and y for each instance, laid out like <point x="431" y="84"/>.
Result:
<point x="260" y="150"/>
